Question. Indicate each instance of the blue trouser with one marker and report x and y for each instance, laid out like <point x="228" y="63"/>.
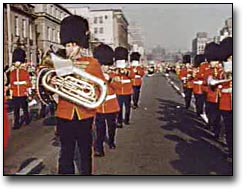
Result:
<point x="136" y="94"/>
<point x="100" y="121"/>
<point x="20" y="102"/>
<point x="214" y="117"/>
<point x="199" y="103"/>
<point x="228" y="121"/>
<point x="71" y="132"/>
<point x="188" y="96"/>
<point x="126" y="100"/>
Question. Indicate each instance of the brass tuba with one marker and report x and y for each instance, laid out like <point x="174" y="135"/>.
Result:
<point x="72" y="82"/>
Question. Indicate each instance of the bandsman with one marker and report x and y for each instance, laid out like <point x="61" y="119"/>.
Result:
<point x="212" y="54"/>
<point x="226" y="102"/>
<point x="137" y="81"/>
<point x="125" y="75"/>
<point x="197" y="84"/>
<point x="186" y="77"/>
<point x="74" y="122"/>
<point x="107" y="112"/>
<point x="20" y="84"/>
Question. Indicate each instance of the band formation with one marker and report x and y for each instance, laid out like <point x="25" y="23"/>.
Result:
<point x="97" y="91"/>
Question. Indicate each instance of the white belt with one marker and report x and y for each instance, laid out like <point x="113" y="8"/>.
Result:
<point x="226" y="90"/>
<point x="184" y="78"/>
<point x="125" y="81"/>
<point x="137" y="76"/>
<point x="109" y="97"/>
<point x="199" y="82"/>
<point x="20" y="82"/>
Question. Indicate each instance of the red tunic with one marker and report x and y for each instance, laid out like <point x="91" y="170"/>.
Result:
<point x="66" y="109"/>
<point x="226" y="97"/>
<point x="124" y="86"/>
<point x="20" y="82"/>
<point x="197" y="83"/>
<point x="139" y="73"/>
<point x="213" y="95"/>
<point x="111" y="104"/>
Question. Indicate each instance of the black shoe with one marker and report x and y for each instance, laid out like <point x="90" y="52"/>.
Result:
<point x="119" y="125"/>
<point x="28" y="122"/>
<point x="126" y="123"/>
<point x="16" y="127"/>
<point x="112" y="146"/>
<point x="99" y="154"/>
<point x="56" y="141"/>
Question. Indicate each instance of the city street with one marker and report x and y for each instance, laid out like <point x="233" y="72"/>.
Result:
<point x="163" y="138"/>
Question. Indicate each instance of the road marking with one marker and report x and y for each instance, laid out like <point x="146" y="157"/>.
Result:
<point x="30" y="167"/>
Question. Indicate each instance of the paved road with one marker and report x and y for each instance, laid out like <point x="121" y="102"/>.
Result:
<point x="163" y="139"/>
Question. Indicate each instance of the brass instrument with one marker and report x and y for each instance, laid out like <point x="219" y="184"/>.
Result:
<point x="72" y="82"/>
<point x="215" y="79"/>
<point x="195" y="72"/>
<point x="118" y="71"/>
<point x="189" y="74"/>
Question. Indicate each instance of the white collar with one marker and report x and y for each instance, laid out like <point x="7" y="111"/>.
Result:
<point x="135" y="63"/>
<point x="121" y="64"/>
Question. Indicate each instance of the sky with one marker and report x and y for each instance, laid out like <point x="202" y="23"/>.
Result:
<point x="173" y="26"/>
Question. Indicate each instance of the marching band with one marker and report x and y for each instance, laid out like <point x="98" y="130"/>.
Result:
<point x="93" y="92"/>
<point x="210" y="80"/>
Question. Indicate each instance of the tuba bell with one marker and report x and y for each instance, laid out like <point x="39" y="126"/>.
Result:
<point x="72" y="82"/>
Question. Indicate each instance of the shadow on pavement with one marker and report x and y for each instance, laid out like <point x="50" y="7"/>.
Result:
<point x="199" y="153"/>
<point x="50" y="121"/>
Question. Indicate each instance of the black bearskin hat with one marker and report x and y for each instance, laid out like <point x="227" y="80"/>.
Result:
<point x="104" y="54"/>
<point x="198" y="59"/>
<point x="135" y="56"/>
<point x="121" y="53"/>
<point x="18" y="55"/>
<point x="73" y="29"/>
<point x="226" y="48"/>
<point x="186" y="59"/>
<point x="212" y="52"/>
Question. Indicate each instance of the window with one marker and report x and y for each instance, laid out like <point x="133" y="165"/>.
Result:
<point x="58" y="37"/>
<point x="51" y="10"/>
<point x="16" y="26"/>
<point x="101" y="19"/>
<point x="31" y="35"/>
<point x="48" y="33"/>
<point x="24" y="28"/>
<point x="101" y="30"/>
<point x="31" y="56"/>
<point x="95" y="30"/>
<point x="55" y="13"/>
<point x="95" y="19"/>
<point x="106" y="17"/>
<point x="53" y="35"/>
<point x="48" y="8"/>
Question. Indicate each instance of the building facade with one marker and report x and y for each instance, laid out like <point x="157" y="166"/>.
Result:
<point x="33" y="26"/>
<point x="49" y="17"/>
<point x="199" y="43"/>
<point x="227" y="30"/>
<point x="19" y="29"/>
<point x="135" y="35"/>
<point x="107" y="26"/>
